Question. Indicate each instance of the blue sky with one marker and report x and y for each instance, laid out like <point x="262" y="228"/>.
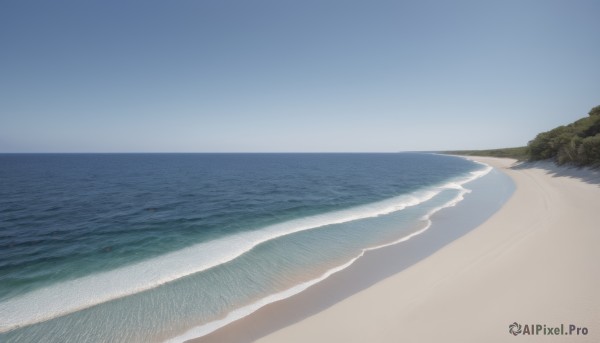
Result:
<point x="292" y="76"/>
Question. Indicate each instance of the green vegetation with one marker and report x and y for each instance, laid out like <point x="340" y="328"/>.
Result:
<point x="519" y="153"/>
<point x="577" y="143"/>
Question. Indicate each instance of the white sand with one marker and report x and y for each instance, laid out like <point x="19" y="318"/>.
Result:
<point x="536" y="261"/>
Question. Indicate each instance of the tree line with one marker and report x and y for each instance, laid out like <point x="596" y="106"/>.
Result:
<point x="577" y="143"/>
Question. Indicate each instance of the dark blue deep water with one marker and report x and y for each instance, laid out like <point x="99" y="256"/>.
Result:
<point x="152" y="225"/>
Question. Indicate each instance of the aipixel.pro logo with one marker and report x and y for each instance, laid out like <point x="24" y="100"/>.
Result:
<point x="545" y="330"/>
<point x="514" y="328"/>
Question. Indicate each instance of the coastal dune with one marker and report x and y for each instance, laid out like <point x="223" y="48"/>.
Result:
<point x="534" y="262"/>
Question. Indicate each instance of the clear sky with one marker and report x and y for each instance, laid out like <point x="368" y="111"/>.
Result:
<point x="297" y="76"/>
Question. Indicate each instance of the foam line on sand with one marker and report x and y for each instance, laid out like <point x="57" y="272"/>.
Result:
<point x="535" y="261"/>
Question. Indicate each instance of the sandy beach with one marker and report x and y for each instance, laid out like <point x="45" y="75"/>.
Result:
<point x="534" y="262"/>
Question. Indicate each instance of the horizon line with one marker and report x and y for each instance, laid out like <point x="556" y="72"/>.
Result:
<point x="223" y="152"/>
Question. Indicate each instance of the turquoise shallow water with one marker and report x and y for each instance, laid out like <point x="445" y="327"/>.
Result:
<point x="134" y="247"/>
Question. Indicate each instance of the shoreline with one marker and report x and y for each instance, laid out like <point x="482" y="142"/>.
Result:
<point x="366" y="270"/>
<point x="532" y="262"/>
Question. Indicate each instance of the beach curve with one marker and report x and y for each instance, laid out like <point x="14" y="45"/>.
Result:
<point x="532" y="262"/>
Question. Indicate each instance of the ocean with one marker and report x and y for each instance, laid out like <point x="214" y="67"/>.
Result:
<point x="162" y="247"/>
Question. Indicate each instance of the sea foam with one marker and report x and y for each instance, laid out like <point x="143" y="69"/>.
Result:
<point x="242" y="312"/>
<point x="74" y="295"/>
